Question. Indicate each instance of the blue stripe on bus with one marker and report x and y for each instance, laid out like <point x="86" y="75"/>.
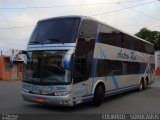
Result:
<point x="94" y="70"/>
<point x="115" y="82"/>
<point x="142" y="67"/>
<point x="102" y="52"/>
<point x="124" y="89"/>
<point x="97" y="35"/>
<point x="94" y="63"/>
<point x="84" y="99"/>
<point x="87" y="95"/>
<point x="48" y="46"/>
<point x="87" y="100"/>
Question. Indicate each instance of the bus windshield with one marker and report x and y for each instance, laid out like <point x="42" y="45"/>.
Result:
<point x="46" y="67"/>
<point x="62" y="30"/>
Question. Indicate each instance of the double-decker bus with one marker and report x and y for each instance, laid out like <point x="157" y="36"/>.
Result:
<point x="77" y="59"/>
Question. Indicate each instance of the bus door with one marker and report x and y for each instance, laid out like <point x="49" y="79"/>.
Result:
<point x="82" y="70"/>
<point x="83" y="59"/>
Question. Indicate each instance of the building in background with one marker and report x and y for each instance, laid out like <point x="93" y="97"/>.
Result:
<point x="157" y="62"/>
<point x="11" y="67"/>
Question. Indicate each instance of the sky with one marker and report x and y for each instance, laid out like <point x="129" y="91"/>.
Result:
<point x="19" y="17"/>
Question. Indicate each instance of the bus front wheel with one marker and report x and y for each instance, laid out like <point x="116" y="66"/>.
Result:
<point x="98" y="95"/>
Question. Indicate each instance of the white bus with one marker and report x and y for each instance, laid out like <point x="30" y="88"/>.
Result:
<point x="77" y="59"/>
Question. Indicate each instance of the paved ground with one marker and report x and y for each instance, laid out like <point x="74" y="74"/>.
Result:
<point x="147" y="101"/>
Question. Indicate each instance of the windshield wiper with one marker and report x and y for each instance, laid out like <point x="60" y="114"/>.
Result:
<point x="34" y="42"/>
<point x="46" y="42"/>
<point x="58" y="40"/>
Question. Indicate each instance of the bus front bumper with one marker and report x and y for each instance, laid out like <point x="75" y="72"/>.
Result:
<point x="44" y="99"/>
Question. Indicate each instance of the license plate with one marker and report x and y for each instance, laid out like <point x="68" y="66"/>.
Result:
<point x="40" y="100"/>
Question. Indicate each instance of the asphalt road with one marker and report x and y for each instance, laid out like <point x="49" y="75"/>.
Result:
<point x="147" y="101"/>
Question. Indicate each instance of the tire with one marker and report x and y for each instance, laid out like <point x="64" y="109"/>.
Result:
<point x="147" y="81"/>
<point x="98" y="95"/>
<point x="143" y="85"/>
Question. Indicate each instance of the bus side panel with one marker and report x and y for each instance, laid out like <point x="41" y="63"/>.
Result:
<point x="120" y="78"/>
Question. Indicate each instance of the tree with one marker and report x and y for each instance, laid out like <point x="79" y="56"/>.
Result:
<point x="151" y="36"/>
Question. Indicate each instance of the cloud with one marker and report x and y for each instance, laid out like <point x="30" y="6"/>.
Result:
<point x="18" y="38"/>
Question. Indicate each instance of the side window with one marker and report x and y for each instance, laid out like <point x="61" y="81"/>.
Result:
<point x="139" y="45"/>
<point x="84" y="51"/>
<point x="131" y="68"/>
<point x="115" y="67"/>
<point x="109" y="68"/>
<point x="124" y="68"/>
<point x="127" y="41"/>
<point x="102" y="68"/>
<point x="109" y="36"/>
<point x="134" y="68"/>
<point x="149" y="48"/>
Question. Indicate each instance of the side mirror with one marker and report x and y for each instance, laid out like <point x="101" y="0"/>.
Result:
<point x="26" y="57"/>
<point x="26" y="53"/>
<point x="67" y="59"/>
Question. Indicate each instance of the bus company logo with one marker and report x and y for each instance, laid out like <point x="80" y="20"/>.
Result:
<point x="128" y="56"/>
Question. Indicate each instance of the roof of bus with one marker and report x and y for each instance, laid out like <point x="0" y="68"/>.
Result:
<point x="91" y="18"/>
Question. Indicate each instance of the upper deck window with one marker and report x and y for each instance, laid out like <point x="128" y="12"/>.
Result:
<point x="62" y="30"/>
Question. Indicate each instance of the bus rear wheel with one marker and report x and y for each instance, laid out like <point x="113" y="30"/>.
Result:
<point x="143" y="84"/>
<point x="98" y="95"/>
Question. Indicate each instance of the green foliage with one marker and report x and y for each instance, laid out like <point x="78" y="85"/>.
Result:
<point x="151" y="36"/>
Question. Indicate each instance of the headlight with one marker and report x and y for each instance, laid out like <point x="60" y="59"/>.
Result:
<point x="25" y="90"/>
<point x="58" y="93"/>
<point x="61" y="93"/>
